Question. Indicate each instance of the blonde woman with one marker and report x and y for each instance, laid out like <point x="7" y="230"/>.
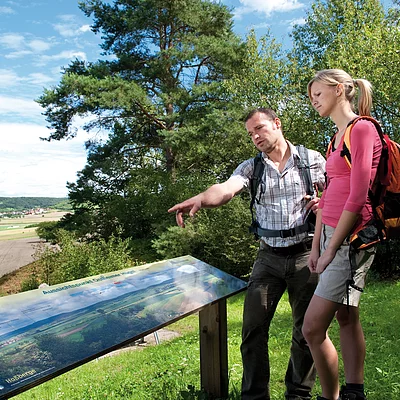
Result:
<point x="343" y="207"/>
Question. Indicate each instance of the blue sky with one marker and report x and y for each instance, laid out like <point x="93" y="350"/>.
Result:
<point x="38" y="38"/>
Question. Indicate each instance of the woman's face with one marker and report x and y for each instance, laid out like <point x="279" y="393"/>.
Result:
<point x="324" y="98"/>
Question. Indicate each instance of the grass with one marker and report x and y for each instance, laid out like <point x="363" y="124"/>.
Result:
<point x="170" y="370"/>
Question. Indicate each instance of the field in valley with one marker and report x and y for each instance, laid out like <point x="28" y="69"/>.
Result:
<point x="18" y="243"/>
<point x="16" y="228"/>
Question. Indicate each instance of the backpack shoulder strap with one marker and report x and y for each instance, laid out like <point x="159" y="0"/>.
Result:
<point x="258" y="171"/>
<point x="304" y="166"/>
<point x="346" y="152"/>
<point x="330" y="145"/>
<point x="383" y="173"/>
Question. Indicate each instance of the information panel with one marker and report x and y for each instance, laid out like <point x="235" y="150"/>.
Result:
<point x="46" y="332"/>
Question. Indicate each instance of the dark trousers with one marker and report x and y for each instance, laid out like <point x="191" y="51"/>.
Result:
<point x="272" y="274"/>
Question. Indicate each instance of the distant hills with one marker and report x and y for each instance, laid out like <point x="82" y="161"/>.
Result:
<point x="28" y="203"/>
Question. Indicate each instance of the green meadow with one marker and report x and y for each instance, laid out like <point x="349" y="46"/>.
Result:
<point x="171" y="370"/>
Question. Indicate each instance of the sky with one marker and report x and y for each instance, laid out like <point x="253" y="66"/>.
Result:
<point x="40" y="37"/>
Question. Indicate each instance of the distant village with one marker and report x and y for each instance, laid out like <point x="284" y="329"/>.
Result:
<point x="21" y="214"/>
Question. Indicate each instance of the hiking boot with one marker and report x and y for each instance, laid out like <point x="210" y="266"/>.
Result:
<point x="346" y="394"/>
<point x="349" y="396"/>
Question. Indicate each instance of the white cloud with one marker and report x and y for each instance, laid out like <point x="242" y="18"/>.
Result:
<point x="37" y="78"/>
<point x="31" y="167"/>
<point x="84" y="28"/>
<point x="66" y="54"/>
<point x="18" y="106"/>
<point x="6" y="10"/>
<point x="21" y="46"/>
<point x="299" y="21"/>
<point x="38" y="45"/>
<point x="69" y="28"/>
<point x="18" y="54"/>
<point x="12" y="41"/>
<point x="8" y="78"/>
<point x="262" y="25"/>
<point x="266" y="7"/>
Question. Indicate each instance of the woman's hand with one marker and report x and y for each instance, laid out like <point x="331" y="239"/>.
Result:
<point x="327" y="256"/>
<point x="313" y="259"/>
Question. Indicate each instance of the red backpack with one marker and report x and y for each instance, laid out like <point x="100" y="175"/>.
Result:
<point x="384" y="192"/>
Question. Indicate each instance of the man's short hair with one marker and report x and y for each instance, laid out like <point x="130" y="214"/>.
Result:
<point x="268" y="112"/>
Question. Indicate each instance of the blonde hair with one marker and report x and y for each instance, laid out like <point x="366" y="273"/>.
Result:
<point x="332" y="77"/>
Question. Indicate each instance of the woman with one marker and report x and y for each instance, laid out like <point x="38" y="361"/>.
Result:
<point x="344" y="206"/>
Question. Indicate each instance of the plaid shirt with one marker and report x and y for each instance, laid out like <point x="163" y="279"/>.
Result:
<point x="280" y="202"/>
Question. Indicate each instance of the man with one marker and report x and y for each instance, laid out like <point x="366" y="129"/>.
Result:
<point x="281" y="262"/>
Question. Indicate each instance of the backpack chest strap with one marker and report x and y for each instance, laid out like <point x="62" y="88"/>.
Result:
<point x="283" y="233"/>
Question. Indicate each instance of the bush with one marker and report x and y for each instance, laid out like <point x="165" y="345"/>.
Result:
<point x="48" y="231"/>
<point x="218" y="237"/>
<point x="29" y="284"/>
<point x="75" y="260"/>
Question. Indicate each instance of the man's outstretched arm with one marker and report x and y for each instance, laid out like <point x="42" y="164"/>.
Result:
<point x="214" y="196"/>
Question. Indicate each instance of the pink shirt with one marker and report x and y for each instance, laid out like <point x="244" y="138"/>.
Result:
<point x="348" y="188"/>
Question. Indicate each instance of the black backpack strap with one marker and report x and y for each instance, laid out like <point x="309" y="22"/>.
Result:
<point x="304" y="166"/>
<point x="255" y="180"/>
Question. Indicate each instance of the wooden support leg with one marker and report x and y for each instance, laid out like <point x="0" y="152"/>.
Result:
<point x="214" y="349"/>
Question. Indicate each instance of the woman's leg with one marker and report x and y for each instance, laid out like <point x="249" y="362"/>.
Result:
<point x="318" y="317"/>
<point x="352" y="344"/>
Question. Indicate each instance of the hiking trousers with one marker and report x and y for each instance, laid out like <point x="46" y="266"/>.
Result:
<point x="273" y="273"/>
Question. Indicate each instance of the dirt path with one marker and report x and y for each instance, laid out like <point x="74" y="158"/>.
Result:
<point x="15" y="254"/>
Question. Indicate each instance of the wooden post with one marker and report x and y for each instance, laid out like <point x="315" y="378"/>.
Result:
<point x="214" y="349"/>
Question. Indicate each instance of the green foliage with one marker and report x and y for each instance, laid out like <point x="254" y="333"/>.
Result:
<point x="30" y="283"/>
<point x="27" y="203"/>
<point x="77" y="260"/>
<point x="48" y="230"/>
<point x="259" y="80"/>
<point x="64" y="205"/>
<point x="219" y="237"/>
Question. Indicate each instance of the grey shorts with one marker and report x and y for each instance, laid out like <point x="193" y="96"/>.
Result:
<point x="333" y="282"/>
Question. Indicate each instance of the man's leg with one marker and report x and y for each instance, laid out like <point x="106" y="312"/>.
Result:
<point x="301" y="373"/>
<point x="263" y="294"/>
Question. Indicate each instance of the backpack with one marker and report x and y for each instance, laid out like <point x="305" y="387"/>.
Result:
<point x="384" y="192"/>
<point x="255" y="181"/>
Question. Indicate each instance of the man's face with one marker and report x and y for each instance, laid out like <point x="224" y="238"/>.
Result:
<point x="264" y="132"/>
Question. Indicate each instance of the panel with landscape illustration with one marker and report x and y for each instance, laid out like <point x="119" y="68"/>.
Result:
<point x="48" y="331"/>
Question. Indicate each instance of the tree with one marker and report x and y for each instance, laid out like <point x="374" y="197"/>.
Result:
<point x="159" y="98"/>
<point x="354" y="36"/>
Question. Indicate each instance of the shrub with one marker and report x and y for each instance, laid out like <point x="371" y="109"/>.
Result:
<point x="218" y="237"/>
<point x="74" y="260"/>
<point x="48" y="230"/>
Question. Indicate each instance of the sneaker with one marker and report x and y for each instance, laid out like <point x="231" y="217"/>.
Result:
<point x="346" y="394"/>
